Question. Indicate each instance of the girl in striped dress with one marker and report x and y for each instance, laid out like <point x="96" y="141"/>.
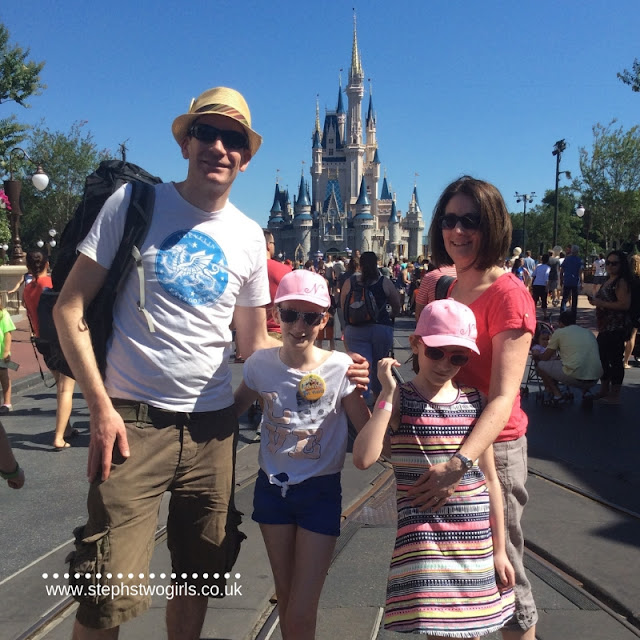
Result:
<point x="450" y="576"/>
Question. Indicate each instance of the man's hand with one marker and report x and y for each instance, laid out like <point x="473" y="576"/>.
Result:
<point x="106" y="428"/>
<point x="358" y="372"/>
<point x="434" y="487"/>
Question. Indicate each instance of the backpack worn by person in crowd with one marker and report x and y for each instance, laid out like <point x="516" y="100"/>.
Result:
<point x="360" y="307"/>
<point x="108" y="177"/>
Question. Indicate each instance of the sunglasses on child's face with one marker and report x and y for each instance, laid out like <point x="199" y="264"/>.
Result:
<point x="310" y="318"/>
<point x="455" y="359"/>
<point x="469" y="221"/>
<point x="209" y="134"/>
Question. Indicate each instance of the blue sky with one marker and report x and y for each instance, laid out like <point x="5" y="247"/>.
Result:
<point x="484" y="88"/>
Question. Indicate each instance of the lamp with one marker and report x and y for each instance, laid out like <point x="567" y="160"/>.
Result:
<point x="558" y="148"/>
<point x="581" y="212"/>
<point x="12" y="188"/>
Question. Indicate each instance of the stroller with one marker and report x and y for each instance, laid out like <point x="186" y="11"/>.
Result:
<point x="543" y="328"/>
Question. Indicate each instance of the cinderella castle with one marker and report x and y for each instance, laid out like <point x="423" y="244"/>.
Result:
<point x="342" y="211"/>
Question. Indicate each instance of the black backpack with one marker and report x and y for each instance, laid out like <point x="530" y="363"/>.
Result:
<point x="108" y="177"/>
<point x="360" y="307"/>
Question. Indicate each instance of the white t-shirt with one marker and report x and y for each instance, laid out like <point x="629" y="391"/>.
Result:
<point x="599" y="266"/>
<point x="300" y="437"/>
<point x="198" y="265"/>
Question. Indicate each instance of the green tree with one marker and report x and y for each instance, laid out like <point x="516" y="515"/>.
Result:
<point x="67" y="158"/>
<point x="610" y="184"/>
<point x="632" y="78"/>
<point x="539" y="223"/>
<point x="19" y="79"/>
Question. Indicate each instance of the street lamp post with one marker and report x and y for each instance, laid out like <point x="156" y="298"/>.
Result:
<point x="582" y="212"/>
<point x="558" y="148"/>
<point x="12" y="188"/>
<point x="525" y="197"/>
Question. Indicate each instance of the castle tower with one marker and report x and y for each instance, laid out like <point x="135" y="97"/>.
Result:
<point x="363" y="220"/>
<point x="302" y="219"/>
<point x="394" y="229"/>
<point x="414" y="223"/>
<point x="275" y="218"/>
<point x="316" y="161"/>
<point x="355" y="147"/>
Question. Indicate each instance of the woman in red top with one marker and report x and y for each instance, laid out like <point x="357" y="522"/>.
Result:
<point x="471" y="229"/>
<point x="38" y="265"/>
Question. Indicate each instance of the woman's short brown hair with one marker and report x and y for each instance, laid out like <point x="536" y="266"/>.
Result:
<point x="495" y="222"/>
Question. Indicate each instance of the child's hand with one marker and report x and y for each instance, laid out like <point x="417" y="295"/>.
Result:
<point x="385" y="373"/>
<point x="505" y="573"/>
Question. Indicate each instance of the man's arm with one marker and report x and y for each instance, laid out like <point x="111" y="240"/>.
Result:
<point x="81" y="287"/>
<point x="251" y="330"/>
<point x="547" y="354"/>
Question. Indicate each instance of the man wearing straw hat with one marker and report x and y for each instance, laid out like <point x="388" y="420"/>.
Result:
<point x="161" y="420"/>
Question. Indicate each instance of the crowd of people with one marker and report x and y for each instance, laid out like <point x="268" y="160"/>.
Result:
<point x="164" y="418"/>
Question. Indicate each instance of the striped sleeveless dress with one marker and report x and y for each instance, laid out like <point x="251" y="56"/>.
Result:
<point x="442" y="578"/>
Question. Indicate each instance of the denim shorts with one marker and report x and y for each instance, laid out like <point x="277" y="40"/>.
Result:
<point x="315" y="504"/>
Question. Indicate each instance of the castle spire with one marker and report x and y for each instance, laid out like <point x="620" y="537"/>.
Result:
<point x="340" y="107"/>
<point x="317" y="113"/>
<point x="356" y="65"/>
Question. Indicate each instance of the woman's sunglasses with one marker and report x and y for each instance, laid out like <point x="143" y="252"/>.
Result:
<point x="310" y="318"/>
<point x="209" y="134"/>
<point x="456" y="359"/>
<point x="612" y="263"/>
<point x="469" y="221"/>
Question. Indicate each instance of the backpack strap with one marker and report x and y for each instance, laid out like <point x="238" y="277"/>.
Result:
<point x="442" y="286"/>
<point x="136" y="227"/>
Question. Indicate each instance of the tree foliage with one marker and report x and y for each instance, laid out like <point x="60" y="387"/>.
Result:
<point x="67" y="158"/>
<point x="539" y="222"/>
<point x="610" y="183"/>
<point x="19" y="79"/>
<point x="632" y="78"/>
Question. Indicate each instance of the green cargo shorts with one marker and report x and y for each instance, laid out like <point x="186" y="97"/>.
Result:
<point x="192" y="455"/>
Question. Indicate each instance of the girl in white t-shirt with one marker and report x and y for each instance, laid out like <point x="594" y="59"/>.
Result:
<point x="306" y="397"/>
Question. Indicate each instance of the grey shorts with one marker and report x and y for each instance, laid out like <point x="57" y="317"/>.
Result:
<point x="511" y="465"/>
<point x="190" y="455"/>
<point x="554" y="369"/>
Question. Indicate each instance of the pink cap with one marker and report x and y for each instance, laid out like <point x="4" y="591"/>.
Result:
<point x="447" y="323"/>
<point x="303" y="285"/>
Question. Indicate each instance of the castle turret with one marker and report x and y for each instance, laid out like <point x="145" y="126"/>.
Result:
<point x="363" y="220"/>
<point x="354" y="143"/>
<point x="394" y="230"/>
<point x="275" y="218"/>
<point x="414" y="224"/>
<point x="341" y="116"/>
<point x="302" y="219"/>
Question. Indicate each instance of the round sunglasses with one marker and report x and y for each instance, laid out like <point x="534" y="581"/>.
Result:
<point x="455" y="359"/>
<point x="310" y="318"/>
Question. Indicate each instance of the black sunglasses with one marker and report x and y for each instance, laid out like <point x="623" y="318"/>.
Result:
<point x="470" y="221"/>
<point x="456" y="359"/>
<point x="310" y="318"/>
<point x="608" y="263"/>
<point x="208" y="134"/>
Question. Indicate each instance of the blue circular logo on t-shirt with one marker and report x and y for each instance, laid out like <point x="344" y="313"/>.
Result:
<point x="192" y="267"/>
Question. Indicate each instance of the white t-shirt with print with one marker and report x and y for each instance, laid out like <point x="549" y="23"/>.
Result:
<point x="198" y="265"/>
<point x="299" y="437"/>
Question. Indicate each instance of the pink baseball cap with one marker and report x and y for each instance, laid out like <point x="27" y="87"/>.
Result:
<point x="447" y="323"/>
<point x="303" y="285"/>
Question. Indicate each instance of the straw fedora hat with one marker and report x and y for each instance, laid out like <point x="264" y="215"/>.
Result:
<point x="220" y="101"/>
